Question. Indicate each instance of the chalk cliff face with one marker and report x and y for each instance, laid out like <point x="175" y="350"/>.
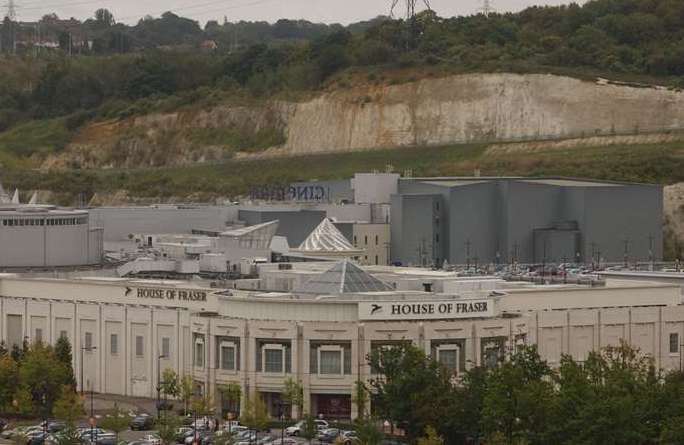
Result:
<point x="450" y="110"/>
<point x="483" y="107"/>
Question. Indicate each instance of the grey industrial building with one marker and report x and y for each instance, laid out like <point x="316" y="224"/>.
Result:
<point x="489" y="220"/>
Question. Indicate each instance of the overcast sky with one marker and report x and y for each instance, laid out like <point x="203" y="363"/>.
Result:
<point x="329" y="11"/>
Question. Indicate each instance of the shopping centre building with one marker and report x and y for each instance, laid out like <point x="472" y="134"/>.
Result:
<point x="317" y="322"/>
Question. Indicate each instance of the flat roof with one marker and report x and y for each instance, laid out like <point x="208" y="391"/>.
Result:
<point x="570" y="183"/>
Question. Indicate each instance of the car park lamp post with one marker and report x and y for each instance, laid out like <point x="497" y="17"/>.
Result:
<point x="92" y="419"/>
<point x="281" y="416"/>
<point x="159" y="385"/>
<point x="230" y="417"/>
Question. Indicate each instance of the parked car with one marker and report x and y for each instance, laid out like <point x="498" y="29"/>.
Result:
<point x="55" y="426"/>
<point x="142" y="422"/>
<point x="20" y="430"/>
<point x="200" y="434"/>
<point x="349" y="437"/>
<point x="296" y="429"/>
<point x="151" y="439"/>
<point x="328" y="435"/>
<point x="182" y="433"/>
<point x="37" y="438"/>
<point x="92" y="434"/>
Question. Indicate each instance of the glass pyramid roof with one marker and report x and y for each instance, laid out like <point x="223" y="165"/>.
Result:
<point x="343" y="278"/>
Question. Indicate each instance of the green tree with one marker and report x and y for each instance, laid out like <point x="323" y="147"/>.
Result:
<point x="104" y="18"/>
<point x="116" y="420"/>
<point x="368" y="432"/>
<point x="186" y="392"/>
<point x="9" y="380"/>
<point x="169" y="383"/>
<point x="232" y="393"/>
<point x="431" y="437"/>
<point x="519" y="398"/>
<point x="23" y="401"/>
<point x="63" y="353"/>
<point x="360" y="398"/>
<point x="222" y="437"/>
<point x="308" y="430"/>
<point x="69" y="436"/>
<point x="69" y="406"/>
<point x="16" y="353"/>
<point x="293" y="393"/>
<point x="673" y="431"/>
<point x="44" y="374"/>
<point x="255" y="415"/>
<point x="203" y="405"/>
<point x="167" y="428"/>
<point x="410" y="386"/>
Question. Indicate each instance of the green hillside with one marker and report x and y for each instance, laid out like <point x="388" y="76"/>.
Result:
<point x="662" y="163"/>
<point x="45" y="101"/>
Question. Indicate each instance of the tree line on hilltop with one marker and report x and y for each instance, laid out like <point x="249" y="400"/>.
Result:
<point x="125" y="63"/>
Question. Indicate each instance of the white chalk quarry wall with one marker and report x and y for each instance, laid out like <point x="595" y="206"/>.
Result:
<point x="475" y="107"/>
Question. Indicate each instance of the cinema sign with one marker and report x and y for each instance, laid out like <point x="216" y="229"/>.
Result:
<point x="426" y="310"/>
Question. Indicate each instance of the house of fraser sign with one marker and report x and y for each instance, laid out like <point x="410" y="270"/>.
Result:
<point x="426" y="310"/>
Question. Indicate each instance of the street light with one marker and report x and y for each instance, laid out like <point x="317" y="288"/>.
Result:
<point x="159" y="385"/>
<point x="281" y="415"/>
<point x="92" y="419"/>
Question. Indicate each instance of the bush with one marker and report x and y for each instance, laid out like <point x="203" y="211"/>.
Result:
<point x="76" y="120"/>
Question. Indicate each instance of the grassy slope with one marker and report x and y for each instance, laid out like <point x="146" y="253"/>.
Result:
<point x="662" y="163"/>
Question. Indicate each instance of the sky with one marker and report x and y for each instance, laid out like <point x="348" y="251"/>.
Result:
<point x="327" y="11"/>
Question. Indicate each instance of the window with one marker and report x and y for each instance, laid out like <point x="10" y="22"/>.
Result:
<point x="228" y="356"/>
<point x="376" y="260"/>
<point x="88" y="340"/>
<point x="355" y="240"/>
<point x="674" y="343"/>
<point x="199" y="352"/>
<point x="492" y="352"/>
<point x="166" y="347"/>
<point x="39" y="335"/>
<point x="63" y="334"/>
<point x="377" y="240"/>
<point x="273" y="359"/>
<point x="114" y="344"/>
<point x="448" y="357"/>
<point x="330" y="361"/>
<point x="139" y="349"/>
<point x="365" y="240"/>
